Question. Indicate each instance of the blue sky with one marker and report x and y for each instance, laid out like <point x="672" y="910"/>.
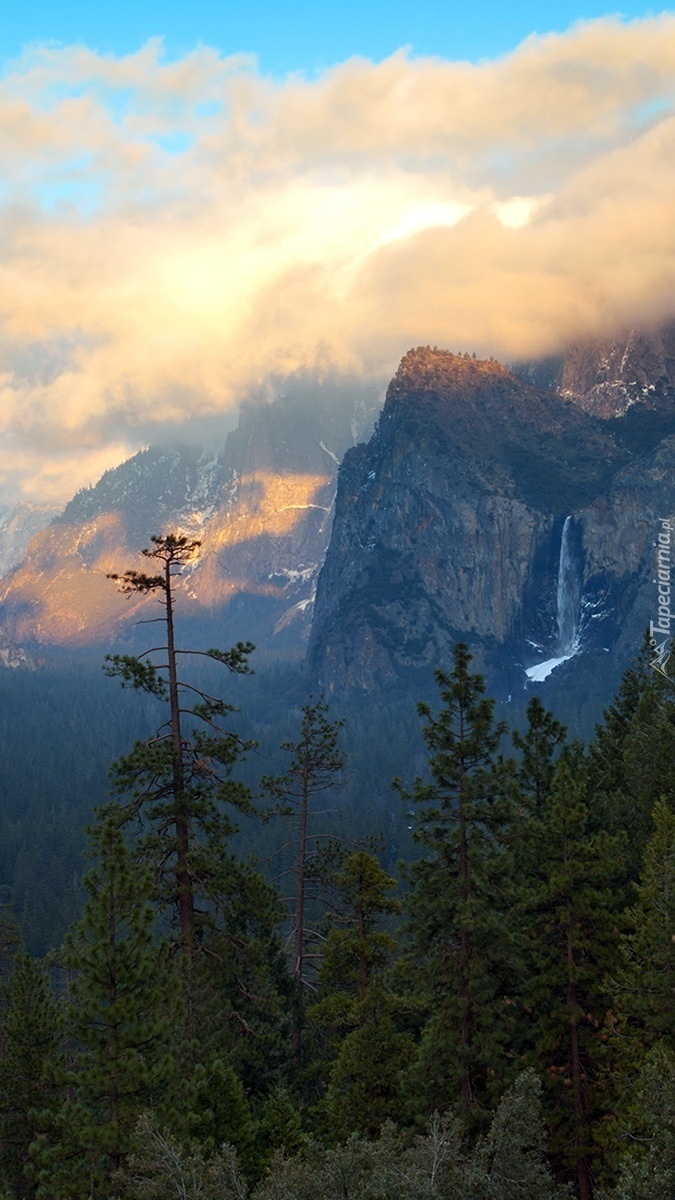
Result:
<point x="297" y="36"/>
<point x="183" y="227"/>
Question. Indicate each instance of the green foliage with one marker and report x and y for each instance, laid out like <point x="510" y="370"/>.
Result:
<point x="221" y="1113"/>
<point x="29" y="1068"/>
<point x="570" y="906"/>
<point x="123" y="1011"/>
<point x="642" y="985"/>
<point x="163" y="1168"/>
<point x="313" y="771"/>
<point x="645" y="986"/>
<point x="367" y="1079"/>
<point x="240" y="984"/>
<point x="10" y="945"/>
<point x="177" y="787"/>
<point x="359" y="1170"/>
<point x="539" y="747"/>
<point x="355" y="948"/>
<point x="509" y="1161"/>
<point x="354" y="1019"/>
<point x="637" y="733"/>
<point x="280" y="1125"/>
<point x="459" y="903"/>
<point x="648" y="1168"/>
<point x="508" y="1164"/>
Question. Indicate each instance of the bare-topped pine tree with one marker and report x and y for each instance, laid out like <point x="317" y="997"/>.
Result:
<point x="180" y="788"/>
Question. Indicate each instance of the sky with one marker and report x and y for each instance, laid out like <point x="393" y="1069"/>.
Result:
<point x="199" y="200"/>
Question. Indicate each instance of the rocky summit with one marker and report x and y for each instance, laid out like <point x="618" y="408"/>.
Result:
<point x="453" y="523"/>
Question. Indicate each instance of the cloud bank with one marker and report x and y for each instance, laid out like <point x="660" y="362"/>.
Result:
<point x="173" y="234"/>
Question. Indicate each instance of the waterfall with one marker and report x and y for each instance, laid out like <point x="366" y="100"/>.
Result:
<point x="568" y="602"/>
<point x="568" y="597"/>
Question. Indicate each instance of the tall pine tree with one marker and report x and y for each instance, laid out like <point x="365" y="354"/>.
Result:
<point x="123" y="1015"/>
<point x="357" y="1012"/>
<point x="313" y="772"/>
<point x="459" y="902"/>
<point x="30" y="1067"/>
<point x="570" y="907"/>
<point x="180" y="788"/>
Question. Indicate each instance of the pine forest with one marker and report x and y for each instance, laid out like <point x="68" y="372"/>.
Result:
<point x="341" y="954"/>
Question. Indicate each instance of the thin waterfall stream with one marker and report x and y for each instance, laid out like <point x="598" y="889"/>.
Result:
<point x="567" y="597"/>
<point x="568" y="601"/>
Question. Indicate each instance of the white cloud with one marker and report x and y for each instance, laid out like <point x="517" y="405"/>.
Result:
<point x="173" y="233"/>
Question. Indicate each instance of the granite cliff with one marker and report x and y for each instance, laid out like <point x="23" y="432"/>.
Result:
<point x="449" y="525"/>
<point x="607" y="377"/>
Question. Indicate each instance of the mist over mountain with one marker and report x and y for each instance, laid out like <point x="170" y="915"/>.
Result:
<point x="261" y="507"/>
<point x="449" y="525"/>
<point x="606" y="378"/>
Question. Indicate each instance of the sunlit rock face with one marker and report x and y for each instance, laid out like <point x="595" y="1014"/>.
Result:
<point x="261" y="509"/>
<point x="449" y="526"/>
<point x="17" y="527"/>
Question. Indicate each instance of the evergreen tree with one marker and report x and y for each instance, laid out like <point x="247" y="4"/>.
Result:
<point x="29" y="1069"/>
<point x="355" y="947"/>
<point x="123" y="1011"/>
<point x="222" y="1113"/>
<point x="644" y="986"/>
<point x="10" y="945"/>
<point x="314" y="770"/>
<point x="280" y="1126"/>
<point x="178" y="795"/>
<point x="570" y="905"/>
<point x="539" y="746"/>
<point x="177" y="787"/>
<point x="638" y="729"/>
<point x="241" y="985"/>
<point x="648" y="1168"/>
<point x="641" y="988"/>
<point x="509" y="1162"/>
<point x="459" y="902"/>
<point x="367" y="1084"/>
<point x="355" y="1015"/>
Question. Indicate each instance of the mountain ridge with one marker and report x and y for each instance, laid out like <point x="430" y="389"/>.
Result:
<point x="448" y="527"/>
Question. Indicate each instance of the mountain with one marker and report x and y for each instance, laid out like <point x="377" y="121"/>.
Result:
<point x="17" y="526"/>
<point x="482" y="507"/>
<point x="607" y="377"/>
<point x="261" y="507"/>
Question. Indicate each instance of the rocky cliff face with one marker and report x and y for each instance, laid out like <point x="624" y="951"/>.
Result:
<point x="606" y="378"/>
<point x="261" y="509"/>
<point x="449" y="525"/>
<point x="617" y="542"/>
<point x="13" y="657"/>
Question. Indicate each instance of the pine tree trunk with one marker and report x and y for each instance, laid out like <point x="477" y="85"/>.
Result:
<point x="299" y="955"/>
<point x="185" y="893"/>
<point x="581" y="1166"/>
<point x="466" y="1090"/>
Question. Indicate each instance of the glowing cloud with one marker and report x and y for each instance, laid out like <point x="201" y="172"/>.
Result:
<point x="173" y="233"/>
